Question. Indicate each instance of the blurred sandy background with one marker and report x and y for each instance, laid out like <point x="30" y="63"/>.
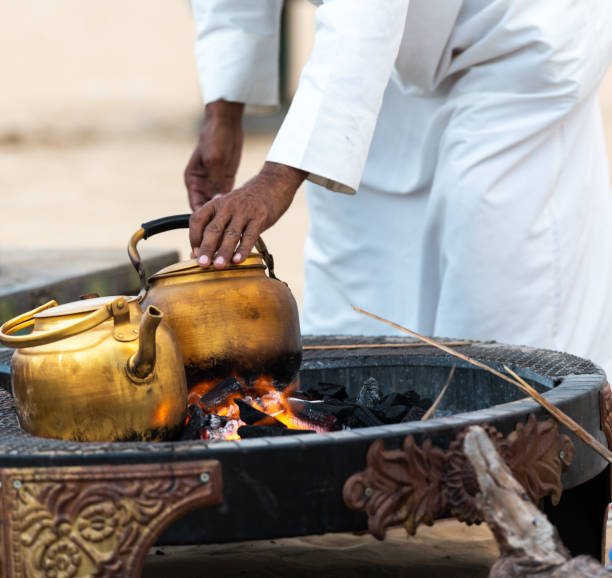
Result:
<point x="99" y="112"/>
<point x="99" y="109"/>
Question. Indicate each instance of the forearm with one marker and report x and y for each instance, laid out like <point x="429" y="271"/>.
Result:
<point x="281" y="180"/>
<point x="224" y="111"/>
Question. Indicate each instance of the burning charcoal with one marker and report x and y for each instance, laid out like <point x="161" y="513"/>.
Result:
<point x="370" y="395"/>
<point x="197" y="422"/>
<point x="220" y="395"/>
<point x="252" y="416"/>
<point x="214" y="421"/>
<point x="415" y="413"/>
<point x="326" y="390"/>
<point x="215" y="428"/>
<point x="363" y="417"/>
<point x="258" y="431"/>
<point x="311" y="415"/>
<point x="249" y="414"/>
<point x="269" y="420"/>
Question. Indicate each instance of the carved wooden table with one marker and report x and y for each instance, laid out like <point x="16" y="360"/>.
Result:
<point x="73" y="510"/>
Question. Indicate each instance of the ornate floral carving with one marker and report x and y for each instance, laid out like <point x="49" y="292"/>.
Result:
<point x="605" y="410"/>
<point x="96" y="521"/>
<point x="62" y="559"/>
<point x="461" y="485"/>
<point x="415" y="485"/>
<point x="398" y="486"/>
<point x="537" y="453"/>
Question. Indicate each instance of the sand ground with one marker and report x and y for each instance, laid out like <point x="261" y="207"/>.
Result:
<point x="98" y="115"/>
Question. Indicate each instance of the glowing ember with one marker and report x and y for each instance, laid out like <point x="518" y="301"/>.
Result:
<point x="217" y="401"/>
<point x="233" y="409"/>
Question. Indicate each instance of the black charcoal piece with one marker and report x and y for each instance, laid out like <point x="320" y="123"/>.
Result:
<point x="310" y="414"/>
<point x="396" y="398"/>
<point x="340" y="410"/>
<point x="221" y="394"/>
<point x="424" y="403"/>
<point x="412" y="396"/>
<point x="363" y="417"/>
<point x="248" y="413"/>
<point x="252" y="416"/>
<point x="197" y="422"/>
<point x="370" y="394"/>
<point x="393" y="414"/>
<point x="258" y="431"/>
<point x="415" y="413"/>
<point x="322" y="390"/>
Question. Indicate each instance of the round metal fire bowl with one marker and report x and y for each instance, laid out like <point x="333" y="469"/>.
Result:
<point x="289" y="486"/>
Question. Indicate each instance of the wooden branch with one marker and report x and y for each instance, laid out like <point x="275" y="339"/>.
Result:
<point x="529" y="545"/>
<point x="435" y="404"/>
<point x="579" y="431"/>
<point x="565" y="419"/>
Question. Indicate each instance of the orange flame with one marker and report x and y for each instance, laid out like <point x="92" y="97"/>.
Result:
<point x="161" y="414"/>
<point x="262" y="395"/>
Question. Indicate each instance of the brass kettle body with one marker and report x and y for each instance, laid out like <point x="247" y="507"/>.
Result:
<point x="97" y="370"/>
<point x="236" y="321"/>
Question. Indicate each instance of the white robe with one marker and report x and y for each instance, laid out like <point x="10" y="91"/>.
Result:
<point x="471" y="132"/>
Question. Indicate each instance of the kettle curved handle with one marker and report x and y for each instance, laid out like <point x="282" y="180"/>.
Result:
<point x="170" y="223"/>
<point x="44" y="337"/>
<point x="165" y="224"/>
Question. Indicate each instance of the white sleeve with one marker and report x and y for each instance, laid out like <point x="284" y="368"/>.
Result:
<point x="237" y="50"/>
<point x="329" y="126"/>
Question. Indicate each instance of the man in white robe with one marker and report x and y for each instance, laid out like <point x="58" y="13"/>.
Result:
<point x="470" y="131"/>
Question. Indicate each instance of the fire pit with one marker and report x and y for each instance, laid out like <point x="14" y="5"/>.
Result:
<point x="100" y="506"/>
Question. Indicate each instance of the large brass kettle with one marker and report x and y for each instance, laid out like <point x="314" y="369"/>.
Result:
<point x="234" y="321"/>
<point x="97" y="370"/>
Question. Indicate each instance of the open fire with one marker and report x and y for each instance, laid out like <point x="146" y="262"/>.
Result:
<point x="233" y="409"/>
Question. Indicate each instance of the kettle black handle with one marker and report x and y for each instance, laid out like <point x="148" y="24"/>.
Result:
<point x="164" y="224"/>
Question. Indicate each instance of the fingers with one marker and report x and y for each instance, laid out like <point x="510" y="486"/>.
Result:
<point x="211" y="226"/>
<point x="249" y="236"/>
<point x="197" y="223"/>
<point x="231" y="237"/>
<point x="216" y="229"/>
<point x="240" y="216"/>
<point x="195" y="181"/>
<point x="211" y="168"/>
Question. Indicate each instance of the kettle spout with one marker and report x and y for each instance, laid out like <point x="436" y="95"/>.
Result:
<point x="142" y="363"/>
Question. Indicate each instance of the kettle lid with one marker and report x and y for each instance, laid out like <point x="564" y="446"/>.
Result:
<point x="83" y="306"/>
<point x="253" y="261"/>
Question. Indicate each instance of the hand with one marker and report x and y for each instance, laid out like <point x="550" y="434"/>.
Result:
<point x="213" y="164"/>
<point x="239" y="217"/>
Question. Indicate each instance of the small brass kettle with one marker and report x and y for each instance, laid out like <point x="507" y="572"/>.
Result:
<point x="97" y="370"/>
<point x="236" y="321"/>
